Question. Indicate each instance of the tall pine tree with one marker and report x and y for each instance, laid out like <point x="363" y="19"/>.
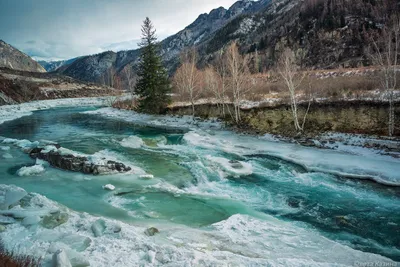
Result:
<point x="153" y="85"/>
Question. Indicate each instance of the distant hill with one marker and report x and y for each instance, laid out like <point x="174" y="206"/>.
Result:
<point x="12" y="58"/>
<point x="55" y="65"/>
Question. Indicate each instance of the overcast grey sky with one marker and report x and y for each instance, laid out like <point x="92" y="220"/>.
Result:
<point x="63" y="29"/>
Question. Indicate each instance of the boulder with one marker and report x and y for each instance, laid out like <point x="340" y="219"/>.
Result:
<point x="60" y="259"/>
<point x="76" y="163"/>
<point x="98" y="227"/>
<point x="54" y="220"/>
<point x="2" y="228"/>
<point x="151" y="231"/>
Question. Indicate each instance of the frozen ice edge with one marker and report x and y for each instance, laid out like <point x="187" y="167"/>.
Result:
<point x="240" y="240"/>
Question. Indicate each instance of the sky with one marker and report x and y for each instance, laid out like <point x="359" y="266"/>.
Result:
<point x="64" y="29"/>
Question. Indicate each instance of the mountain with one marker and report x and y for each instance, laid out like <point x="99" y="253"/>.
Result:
<point x="327" y="33"/>
<point x="55" y="65"/>
<point x="12" y="58"/>
<point x="100" y="67"/>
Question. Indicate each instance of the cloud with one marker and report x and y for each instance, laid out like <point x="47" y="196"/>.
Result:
<point x="66" y="29"/>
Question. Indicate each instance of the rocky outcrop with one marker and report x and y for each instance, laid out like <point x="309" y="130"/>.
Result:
<point x="77" y="163"/>
<point x="12" y="58"/>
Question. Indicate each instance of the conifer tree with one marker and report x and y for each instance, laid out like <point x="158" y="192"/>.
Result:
<point x="153" y="84"/>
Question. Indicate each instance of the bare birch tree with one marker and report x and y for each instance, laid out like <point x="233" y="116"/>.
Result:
<point x="221" y="70"/>
<point x="384" y="54"/>
<point x="288" y="70"/>
<point x="238" y="73"/>
<point x="187" y="77"/>
<point x="213" y="85"/>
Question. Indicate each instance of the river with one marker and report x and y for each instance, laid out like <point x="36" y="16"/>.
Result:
<point x="217" y="197"/>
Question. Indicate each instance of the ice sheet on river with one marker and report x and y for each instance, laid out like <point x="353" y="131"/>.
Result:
<point x="239" y="240"/>
<point x="380" y="168"/>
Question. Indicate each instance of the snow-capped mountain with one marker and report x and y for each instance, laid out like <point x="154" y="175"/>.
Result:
<point x="55" y="65"/>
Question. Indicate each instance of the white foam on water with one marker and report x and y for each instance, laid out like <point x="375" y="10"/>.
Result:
<point x="234" y="168"/>
<point x="132" y="142"/>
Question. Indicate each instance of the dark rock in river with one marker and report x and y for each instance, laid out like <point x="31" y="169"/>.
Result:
<point x="75" y="163"/>
<point x="151" y="231"/>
